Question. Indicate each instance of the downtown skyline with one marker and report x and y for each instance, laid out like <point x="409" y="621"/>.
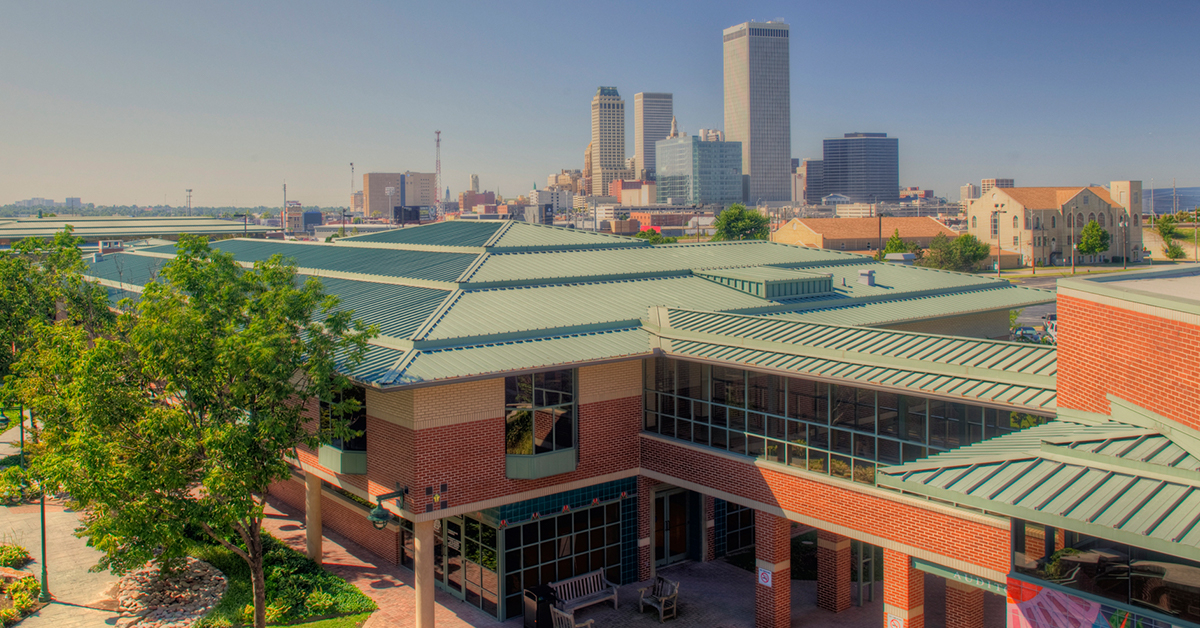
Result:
<point x="137" y="102"/>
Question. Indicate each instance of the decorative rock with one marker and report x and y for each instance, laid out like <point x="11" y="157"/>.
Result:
<point x="147" y="601"/>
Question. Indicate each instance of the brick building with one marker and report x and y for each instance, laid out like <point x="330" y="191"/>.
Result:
<point x="537" y="412"/>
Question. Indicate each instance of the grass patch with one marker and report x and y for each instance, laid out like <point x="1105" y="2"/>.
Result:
<point x="804" y="559"/>
<point x="298" y="589"/>
<point x="349" y="621"/>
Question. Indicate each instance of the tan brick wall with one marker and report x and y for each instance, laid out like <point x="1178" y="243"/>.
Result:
<point x="393" y="407"/>
<point x="451" y="404"/>
<point x="605" y="382"/>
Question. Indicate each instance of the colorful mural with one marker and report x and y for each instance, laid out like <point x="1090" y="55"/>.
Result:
<point x="1032" y="606"/>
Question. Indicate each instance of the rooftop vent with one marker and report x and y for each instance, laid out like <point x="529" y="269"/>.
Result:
<point x="769" y="282"/>
<point x="901" y="258"/>
<point x="866" y="277"/>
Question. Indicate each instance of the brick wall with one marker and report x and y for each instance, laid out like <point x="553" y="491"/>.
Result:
<point x="964" y="605"/>
<point x="772" y="546"/>
<point x="1144" y="359"/>
<point x="903" y="590"/>
<point x="348" y="520"/>
<point x="833" y="571"/>
<point x="939" y="533"/>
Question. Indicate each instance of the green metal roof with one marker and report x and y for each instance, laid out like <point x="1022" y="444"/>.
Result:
<point x="992" y="372"/>
<point x="116" y="227"/>
<point x="524" y="235"/>
<point x="770" y="282"/>
<point x="1110" y="480"/>
<point x="450" y="233"/>
<point x="428" y="265"/>
<point x="918" y="308"/>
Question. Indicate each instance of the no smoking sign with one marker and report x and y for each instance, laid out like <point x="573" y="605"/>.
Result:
<point x="764" y="577"/>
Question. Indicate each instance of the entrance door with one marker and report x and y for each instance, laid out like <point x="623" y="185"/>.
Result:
<point x="670" y="527"/>
<point x="453" y="569"/>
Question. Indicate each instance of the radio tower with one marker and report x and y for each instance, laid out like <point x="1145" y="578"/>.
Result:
<point x="437" y="177"/>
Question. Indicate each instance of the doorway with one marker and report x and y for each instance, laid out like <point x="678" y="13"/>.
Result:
<point x="671" y="518"/>
<point x="447" y="551"/>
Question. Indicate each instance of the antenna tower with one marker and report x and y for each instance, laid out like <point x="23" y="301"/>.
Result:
<point x="437" y="177"/>
<point x="189" y="210"/>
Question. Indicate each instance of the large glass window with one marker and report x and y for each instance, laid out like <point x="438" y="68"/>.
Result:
<point x="539" y="412"/>
<point x="840" y="430"/>
<point x="356" y="419"/>
<point x="555" y="548"/>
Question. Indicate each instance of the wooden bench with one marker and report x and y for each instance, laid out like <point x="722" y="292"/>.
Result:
<point x="585" y="590"/>
<point x="663" y="595"/>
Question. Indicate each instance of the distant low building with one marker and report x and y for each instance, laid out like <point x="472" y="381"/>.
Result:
<point x="96" y="228"/>
<point x="699" y="172"/>
<point x="859" y="234"/>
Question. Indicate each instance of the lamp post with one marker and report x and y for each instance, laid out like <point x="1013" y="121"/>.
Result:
<point x="996" y="221"/>
<point x="1074" y="247"/>
<point x="1124" y="224"/>
<point x="389" y="191"/>
<point x="379" y="516"/>
<point x="45" y="594"/>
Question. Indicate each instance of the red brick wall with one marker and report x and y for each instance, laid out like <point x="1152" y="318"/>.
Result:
<point x="980" y="544"/>
<point x="772" y="544"/>
<point x="470" y="458"/>
<point x="833" y="572"/>
<point x="346" y="520"/>
<point x="645" y="522"/>
<point x="903" y="586"/>
<point x="1143" y="359"/>
<point x="964" y="606"/>
<point x="390" y="457"/>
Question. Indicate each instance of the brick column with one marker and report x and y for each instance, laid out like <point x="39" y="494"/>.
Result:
<point x="964" y="605"/>
<point x="423" y="576"/>
<point x="645" y="521"/>
<point x="710" y="529"/>
<point x="313" y="530"/>
<point x="903" y="592"/>
<point x="773" y="551"/>
<point x="833" y="571"/>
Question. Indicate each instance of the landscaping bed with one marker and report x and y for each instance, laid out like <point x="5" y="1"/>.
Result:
<point x="298" y="590"/>
<point x="19" y="590"/>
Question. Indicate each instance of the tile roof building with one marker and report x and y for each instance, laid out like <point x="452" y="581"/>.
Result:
<point x="543" y="403"/>
<point x="859" y="234"/>
<point x="1043" y="224"/>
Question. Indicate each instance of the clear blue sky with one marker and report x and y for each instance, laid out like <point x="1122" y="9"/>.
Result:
<point x="122" y="102"/>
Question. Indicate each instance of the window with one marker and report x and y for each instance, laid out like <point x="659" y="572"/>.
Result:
<point x="1015" y="222"/>
<point x="1015" y="240"/>
<point x="1054" y="222"/>
<point x="1086" y="199"/>
<point x="995" y="223"/>
<point x="1102" y="222"/>
<point x="540" y="412"/>
<point x="353" y="402"/>
<point x="1091" y="218"/>
<point x="974" y="222"/>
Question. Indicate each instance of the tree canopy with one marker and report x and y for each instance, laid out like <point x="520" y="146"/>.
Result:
<point x="182" y="412"/>
<point x="1093" y="239"/>
<point x="739" y="223"/>
<point x="962" y="254"/>
<point x="896" y="244"/>
<point x="655" y="237"/>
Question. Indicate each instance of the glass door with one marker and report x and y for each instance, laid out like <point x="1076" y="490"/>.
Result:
<point x="453" y="532"/>
<point x="670" y="527"/>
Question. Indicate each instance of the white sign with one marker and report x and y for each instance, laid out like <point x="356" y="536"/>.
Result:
<point x="893" y="621"/>
<point x="389" y="191"/>
<point x="764" y="577"/>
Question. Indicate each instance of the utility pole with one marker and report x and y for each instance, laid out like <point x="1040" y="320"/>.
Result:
<point x="437" y="176"/>
<point x="189" y="201"/>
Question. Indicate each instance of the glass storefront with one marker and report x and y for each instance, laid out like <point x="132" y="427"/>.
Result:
<point x="840" y="430"/>
<point x="1136" y="579"/>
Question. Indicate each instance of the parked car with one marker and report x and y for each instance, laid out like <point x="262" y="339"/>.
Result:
<point x="1050" y="327"/>
<point x="1025" y="334"/>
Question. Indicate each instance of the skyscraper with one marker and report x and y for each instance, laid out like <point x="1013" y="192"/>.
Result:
<point x="608" y="138"/>
<point x="968" y="192"/>
<point x="758" y="106"/>
<point x="652" y="115"/>
<point x="986" y="185"/>
<point x="474" y="184"/>
<point x="864" y="167"/>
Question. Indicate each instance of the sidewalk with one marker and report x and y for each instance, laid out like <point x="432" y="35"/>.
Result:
<point x="79" y="596"/>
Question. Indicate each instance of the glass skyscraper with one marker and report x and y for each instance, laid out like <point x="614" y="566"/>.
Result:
<point x="758" y="106"/>
<point x="864" y="167"/>
<point x="696" y="172"/>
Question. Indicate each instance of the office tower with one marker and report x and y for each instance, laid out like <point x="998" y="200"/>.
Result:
<point x="697" y="172"/>
<point x="864" y="167"/>
<point x="474" y="183"/>
<point x="608" y="137"/>
<point x="968" y="192"/>
<point x="410" y="189"/>
<point x="711" y="135"/>
<point x="758" y="106"/>
<point x="813" y="185"/>
<point x="652" y="114"/>
<point x="986" y="185"/>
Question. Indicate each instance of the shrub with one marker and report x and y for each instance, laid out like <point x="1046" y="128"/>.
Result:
<point x="248" y="614"/>
<point x="14" y="556"/>
<point x="25" y="586"/>
<point x="16" y="486"/>
<point x="23" y="602"/>
<point x="9" y="616"/>
<point x="277" y="611"/>
<point x="1173" y="251"/>
<point x="318" y="602"/>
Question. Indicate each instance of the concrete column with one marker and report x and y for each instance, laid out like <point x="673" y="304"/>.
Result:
<point x="903" y="592"/>
<point x="773" y="551"/>
<point x="313" y="532"/>
<point x="710" y="529"/>
<point x="833" y="571"/>
<point x="964" y="605"/>
<point x="423" y="568"/>
<point x="645" y="524"/>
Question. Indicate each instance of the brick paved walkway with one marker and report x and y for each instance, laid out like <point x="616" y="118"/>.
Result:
<point x="80" y="599"/>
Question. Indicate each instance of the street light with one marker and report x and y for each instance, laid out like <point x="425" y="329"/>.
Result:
<point x="379" y="516"/>
<point x="996" y="221"/>
<point x="389" y="191"/>
<point x="45" y="594"/>
<point x="245" y="221"/>
<point x="1123" y="222"/>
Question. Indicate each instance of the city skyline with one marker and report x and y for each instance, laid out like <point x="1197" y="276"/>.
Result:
<point x="134" y="103"/>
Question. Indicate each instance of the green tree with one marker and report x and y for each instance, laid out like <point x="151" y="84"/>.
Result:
<point x="896" y="244"/>
<point x="655" y="237"/>
<point x="1165" y="228"/>
<point x="962" y="254"/>
<point x="1173" y="251"/>
<point x="739" y="223"/>
<point x="1093" y="239"/>
<point x="181" y="413"/>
